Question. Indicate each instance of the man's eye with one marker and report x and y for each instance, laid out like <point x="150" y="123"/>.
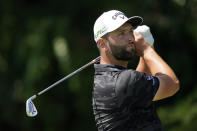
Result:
<point x="121" y="33"/>
<point x="130" y="31"/>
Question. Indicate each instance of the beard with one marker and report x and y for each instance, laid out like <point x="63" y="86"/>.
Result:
<point x="120" y="52"/>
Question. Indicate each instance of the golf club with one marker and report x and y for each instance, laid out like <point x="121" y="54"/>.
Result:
<point x="30" y="107"/>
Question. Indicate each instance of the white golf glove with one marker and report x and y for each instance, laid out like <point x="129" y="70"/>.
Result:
<point x="144" y="30"/>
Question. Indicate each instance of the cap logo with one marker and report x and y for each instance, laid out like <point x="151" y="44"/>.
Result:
<point x="120" y="14"/>
<point x="100" y="32"/>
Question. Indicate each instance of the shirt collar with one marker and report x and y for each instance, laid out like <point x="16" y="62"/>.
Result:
<point x="108" y="67"/>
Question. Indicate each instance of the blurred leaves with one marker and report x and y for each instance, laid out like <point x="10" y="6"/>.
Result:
<point x="43" y="41"/>
<point x="182" y="115"/>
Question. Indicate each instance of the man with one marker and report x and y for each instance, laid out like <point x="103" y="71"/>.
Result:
<point x="123" y="98"/>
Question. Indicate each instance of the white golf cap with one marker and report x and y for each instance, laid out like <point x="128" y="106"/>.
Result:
<point x="112" y="20"/>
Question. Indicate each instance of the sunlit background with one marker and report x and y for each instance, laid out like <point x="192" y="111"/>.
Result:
<point x="41" y="41"/>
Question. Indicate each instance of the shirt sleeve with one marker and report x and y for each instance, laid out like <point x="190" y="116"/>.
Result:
<point x="136" y="87"/>
<point x="143" y="87"/>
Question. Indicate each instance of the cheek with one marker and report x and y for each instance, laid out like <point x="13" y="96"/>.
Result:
<point x="112" y="40"/>
<point x="117" y="41"/>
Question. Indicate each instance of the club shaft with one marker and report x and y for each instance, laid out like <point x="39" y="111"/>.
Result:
<point x="66" y="77"/>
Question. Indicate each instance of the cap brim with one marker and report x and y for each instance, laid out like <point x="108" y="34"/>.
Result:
<point x="135" y="21"/>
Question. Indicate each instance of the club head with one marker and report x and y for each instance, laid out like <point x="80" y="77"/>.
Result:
<point x="30" y="108"/>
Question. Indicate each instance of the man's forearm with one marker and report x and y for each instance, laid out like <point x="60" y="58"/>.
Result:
<point x="169" y="83"/>
<point x="142" y="67"/>
<point x="156" y="64"/>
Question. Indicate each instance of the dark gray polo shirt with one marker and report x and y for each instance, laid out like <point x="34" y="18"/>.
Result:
<point x="122" y="99"/>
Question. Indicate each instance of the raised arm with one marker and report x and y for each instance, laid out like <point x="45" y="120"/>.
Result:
<point x="142" y="67"/>
<point x="169" y="83"/>
<point x="144" y="30"/>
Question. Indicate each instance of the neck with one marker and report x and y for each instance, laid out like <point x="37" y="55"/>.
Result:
<point x="106" y="60"/>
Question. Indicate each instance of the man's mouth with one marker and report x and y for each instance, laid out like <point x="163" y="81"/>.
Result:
<point x="131" y="45"/>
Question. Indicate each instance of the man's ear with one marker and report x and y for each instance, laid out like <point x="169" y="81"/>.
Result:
<point x="102" y="43"/>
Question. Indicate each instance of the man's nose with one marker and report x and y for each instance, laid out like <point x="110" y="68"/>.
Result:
<point x="131" y="37"/>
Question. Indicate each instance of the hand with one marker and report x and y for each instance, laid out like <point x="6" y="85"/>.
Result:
<point x="140" y="44"/>
<point x="145" y="32"/>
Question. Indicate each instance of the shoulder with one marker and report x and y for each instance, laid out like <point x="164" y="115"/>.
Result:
<point x="130" y="74"/>
<point x="127" y="78"/>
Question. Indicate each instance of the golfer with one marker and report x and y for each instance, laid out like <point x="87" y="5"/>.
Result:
<point x="123" y="99"/>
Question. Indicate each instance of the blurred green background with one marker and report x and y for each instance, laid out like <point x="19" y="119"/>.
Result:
<point x="42" y="41"/>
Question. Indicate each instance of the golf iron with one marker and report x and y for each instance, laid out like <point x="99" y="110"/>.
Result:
<point x="30" y="107"/>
